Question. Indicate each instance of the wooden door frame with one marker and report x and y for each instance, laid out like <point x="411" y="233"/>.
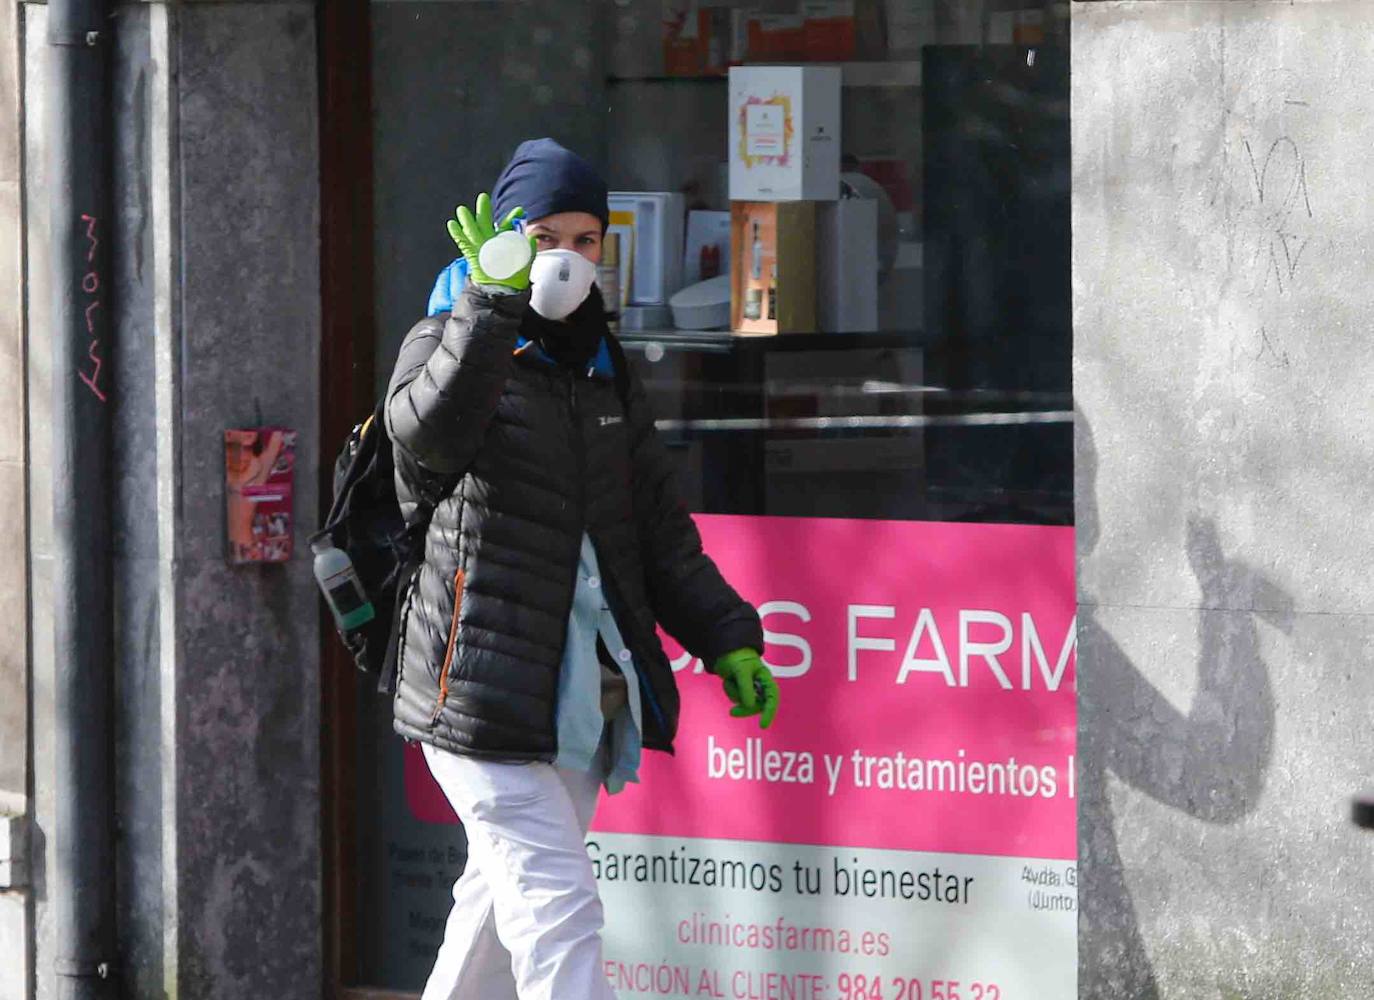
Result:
<point x="347" y="374"/>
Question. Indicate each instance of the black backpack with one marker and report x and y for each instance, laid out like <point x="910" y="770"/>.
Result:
<point x="365" y="522"/>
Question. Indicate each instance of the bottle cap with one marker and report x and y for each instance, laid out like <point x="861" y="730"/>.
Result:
<point x="504" y="254"/>
<point x="322" y="544"/>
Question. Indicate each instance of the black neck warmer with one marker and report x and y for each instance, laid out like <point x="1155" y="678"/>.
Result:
<point x="571" y="342"/>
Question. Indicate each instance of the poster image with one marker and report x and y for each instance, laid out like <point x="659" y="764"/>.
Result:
<point x="906" y="830"/>
<point x="259" y="466"/>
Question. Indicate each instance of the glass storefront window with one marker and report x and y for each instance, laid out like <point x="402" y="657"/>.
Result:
<point x="954" y="406"/>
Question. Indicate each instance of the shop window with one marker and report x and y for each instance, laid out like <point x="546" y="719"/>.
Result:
<point x="938" y="390"/>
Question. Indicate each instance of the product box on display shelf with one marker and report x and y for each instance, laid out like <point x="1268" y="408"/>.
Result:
<point x="777" y="37"/>
<point x="696" y="37"/>
<point x="910" y="26"/>
<point x="847" y="271"/>
<point x="828" y="32"/>
<point x="708" y="246"/>
<point x="784" y="133"/>
<point x="622" y="230"/>
<point x="773" y="267"/>
<point x="1024" y="26"/>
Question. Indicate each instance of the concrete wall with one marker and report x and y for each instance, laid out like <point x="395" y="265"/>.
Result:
<point x="15" y="905"/>
<point x="1223" y="234"/>
<point x="217" y="290"/>
<point x="248" y="726"/>
<point x="38" y="443"/>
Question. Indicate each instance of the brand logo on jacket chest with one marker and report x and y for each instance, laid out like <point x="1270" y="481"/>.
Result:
<point x="608" y="421"/>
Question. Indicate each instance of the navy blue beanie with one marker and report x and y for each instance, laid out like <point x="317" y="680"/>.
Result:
<point x="545" y="178"/>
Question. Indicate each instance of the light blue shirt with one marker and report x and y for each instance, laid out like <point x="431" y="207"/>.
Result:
<point x="580" y="723"/>
<point x="447" y="287"/>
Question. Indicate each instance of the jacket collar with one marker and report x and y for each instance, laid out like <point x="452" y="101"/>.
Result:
<point x="600" y="365"/>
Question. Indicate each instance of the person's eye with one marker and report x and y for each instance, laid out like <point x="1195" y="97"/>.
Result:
<point x="587" y="241"/>
<point x="544" y="238"/>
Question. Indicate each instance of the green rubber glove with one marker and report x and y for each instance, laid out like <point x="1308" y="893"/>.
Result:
<point x="470" y="231"/>
<point x="749" y="684"/>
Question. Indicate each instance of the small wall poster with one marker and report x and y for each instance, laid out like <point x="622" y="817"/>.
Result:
<point x="259" y="473"/>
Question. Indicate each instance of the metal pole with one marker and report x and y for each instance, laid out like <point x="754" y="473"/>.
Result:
<point x="78" y="137"/>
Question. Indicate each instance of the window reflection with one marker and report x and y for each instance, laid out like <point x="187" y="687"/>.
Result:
<point x="954" y="117"/>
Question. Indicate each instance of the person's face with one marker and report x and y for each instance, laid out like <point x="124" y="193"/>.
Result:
<point x="579" y="232"/>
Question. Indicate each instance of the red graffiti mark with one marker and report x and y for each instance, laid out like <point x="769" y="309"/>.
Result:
<point x="90" y="284"/>
<point x="93" y="380"/>
<point x="90" y="235"/>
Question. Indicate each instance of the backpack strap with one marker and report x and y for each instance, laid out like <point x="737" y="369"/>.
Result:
<point x="348" y="469"/>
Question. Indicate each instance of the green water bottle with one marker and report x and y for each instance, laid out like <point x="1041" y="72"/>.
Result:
<point x="342" y="589"/>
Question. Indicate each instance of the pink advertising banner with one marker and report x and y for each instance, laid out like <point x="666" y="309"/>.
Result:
<point x="927" y="679"/>
<point x="906" y="829"/>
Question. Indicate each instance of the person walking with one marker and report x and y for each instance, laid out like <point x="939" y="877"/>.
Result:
<point x="529" y="668"/>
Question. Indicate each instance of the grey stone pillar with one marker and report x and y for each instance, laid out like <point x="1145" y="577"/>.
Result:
<point x="247" y="674"/>
<point x="1223" y="155"/>
<point x="217" y="298"/>
<point x="15" y="899"/>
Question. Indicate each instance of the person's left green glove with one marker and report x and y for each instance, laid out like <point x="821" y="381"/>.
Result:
<point x="749" y="684"/>
<point x="472" y="232"/>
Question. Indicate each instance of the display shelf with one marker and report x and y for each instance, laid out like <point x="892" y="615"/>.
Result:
<point x="663" y="78"/>
<point x="726" y="340"/>
<point x="877" y="73"/>
<point x="905" y="73"/>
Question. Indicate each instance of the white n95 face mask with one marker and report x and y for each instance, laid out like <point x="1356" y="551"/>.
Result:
<point x="560" y="281"/>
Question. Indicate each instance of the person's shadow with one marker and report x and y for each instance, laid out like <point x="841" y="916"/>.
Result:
<point x="1210" y="764"/>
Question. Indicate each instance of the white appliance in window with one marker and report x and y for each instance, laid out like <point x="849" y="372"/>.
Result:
<point x="655" y="220"/>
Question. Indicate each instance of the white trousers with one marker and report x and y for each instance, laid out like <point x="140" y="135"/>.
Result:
<point x="526" y="918"/>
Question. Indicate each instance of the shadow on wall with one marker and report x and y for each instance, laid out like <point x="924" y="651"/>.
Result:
<point x="1210" y="764"/>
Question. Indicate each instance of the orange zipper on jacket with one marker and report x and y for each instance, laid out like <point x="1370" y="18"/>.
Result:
<point x="452" y="645"/>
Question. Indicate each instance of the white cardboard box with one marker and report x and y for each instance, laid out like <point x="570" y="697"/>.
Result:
<point x="706" y="231"/>
<point x="784" y="133"/>
<point x="847" y="281"/>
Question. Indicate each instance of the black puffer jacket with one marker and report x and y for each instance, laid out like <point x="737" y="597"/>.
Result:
<point x="539" y="453"/>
